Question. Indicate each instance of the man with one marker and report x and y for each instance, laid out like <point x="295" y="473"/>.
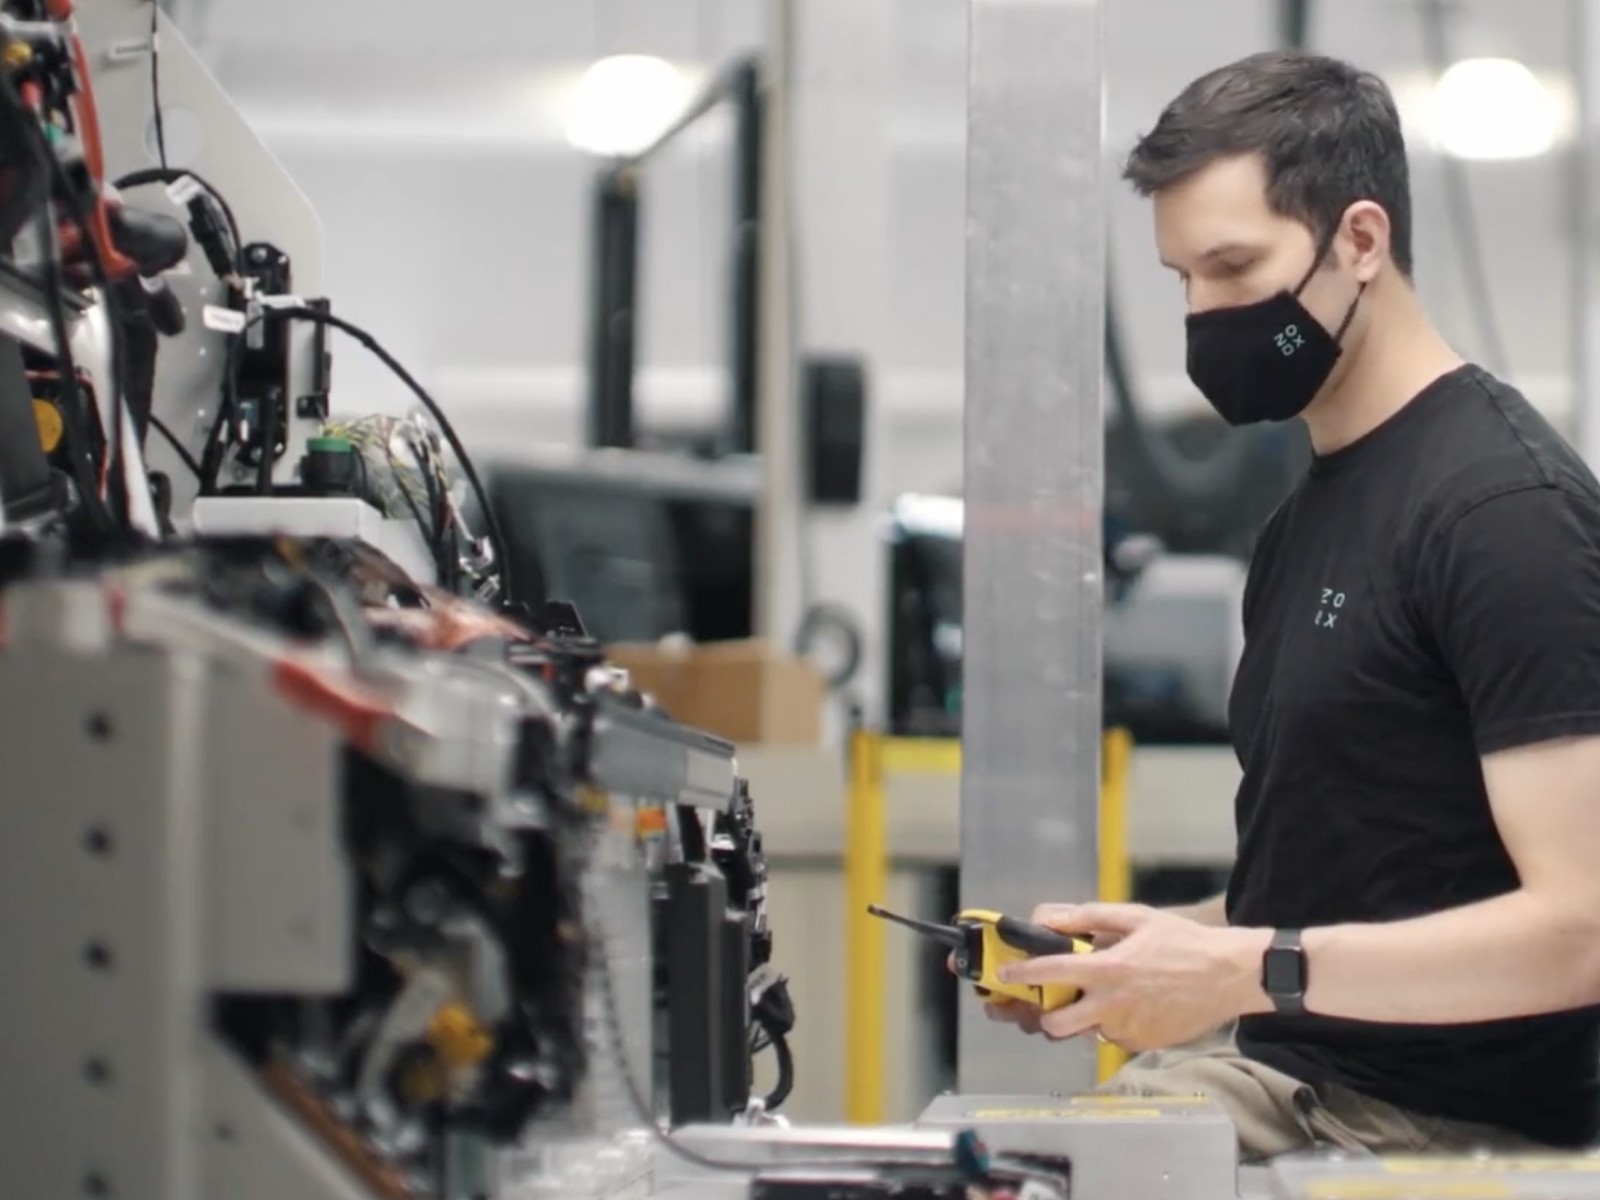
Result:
<point x="1411" y="934"/>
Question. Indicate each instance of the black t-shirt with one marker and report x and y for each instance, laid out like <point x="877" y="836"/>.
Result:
<point x="1425" y="596"/>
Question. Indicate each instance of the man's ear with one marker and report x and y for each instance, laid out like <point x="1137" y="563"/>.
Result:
<point x="1364" y="234"/>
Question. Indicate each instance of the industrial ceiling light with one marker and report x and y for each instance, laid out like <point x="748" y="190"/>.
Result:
<point x="1494" y="109"/>
<point x="624" y="102"/>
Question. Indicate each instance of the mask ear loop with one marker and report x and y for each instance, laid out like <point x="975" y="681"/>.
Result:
<point x="1349" y="314"/>
<point x="1316" y="264"/>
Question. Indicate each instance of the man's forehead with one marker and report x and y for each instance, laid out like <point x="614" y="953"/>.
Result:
<point x="1238" y="182"/>
<point x="1220" y="210"/>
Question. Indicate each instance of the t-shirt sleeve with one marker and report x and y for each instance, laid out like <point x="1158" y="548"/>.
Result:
<point x="1510" y="590"/>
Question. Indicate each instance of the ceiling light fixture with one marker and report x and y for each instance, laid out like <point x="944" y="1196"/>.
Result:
<point x="1494" y="109"/>
<point x="625" y="102"/>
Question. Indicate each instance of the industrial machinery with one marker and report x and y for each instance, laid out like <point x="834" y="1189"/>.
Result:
<point x="1173" y="629"/>
<point x="352" y="873"/>
<point x="343" y="891"/>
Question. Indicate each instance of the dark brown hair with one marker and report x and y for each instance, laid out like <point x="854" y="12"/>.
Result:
<point x="1328" y="133"/>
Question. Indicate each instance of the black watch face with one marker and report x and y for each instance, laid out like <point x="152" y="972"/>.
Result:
<point x="1284" y="973"/>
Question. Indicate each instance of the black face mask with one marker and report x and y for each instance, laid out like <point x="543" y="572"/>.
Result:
<point x="1264" y="361"/>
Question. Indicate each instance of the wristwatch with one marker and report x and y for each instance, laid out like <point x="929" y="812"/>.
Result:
<point x="1283" y="972"/>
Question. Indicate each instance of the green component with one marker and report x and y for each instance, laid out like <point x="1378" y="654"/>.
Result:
<point x="329" y="445"/>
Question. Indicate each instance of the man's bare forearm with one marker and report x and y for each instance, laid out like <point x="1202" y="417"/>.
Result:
<point x="1511" y="956"/>
<point x="1212" y="911"/>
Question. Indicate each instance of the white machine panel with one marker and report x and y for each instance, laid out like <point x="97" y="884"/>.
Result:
<point x="101" y="997"/>
<point x="329" y="517"/>
<point x="280" y="917"/>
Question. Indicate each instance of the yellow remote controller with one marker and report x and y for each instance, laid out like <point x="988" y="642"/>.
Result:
<point x="982" y="942"/>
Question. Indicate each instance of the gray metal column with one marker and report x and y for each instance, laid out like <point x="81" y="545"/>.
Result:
<point x="1585" y="61"/>
<point x="780" y="518"/>
<point x="1036" y="219"/>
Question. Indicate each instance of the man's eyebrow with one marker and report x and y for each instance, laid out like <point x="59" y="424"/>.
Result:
<point x="1217" y="252"/>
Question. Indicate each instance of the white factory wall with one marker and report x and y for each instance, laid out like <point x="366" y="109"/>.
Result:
<point x="457" y="222"/>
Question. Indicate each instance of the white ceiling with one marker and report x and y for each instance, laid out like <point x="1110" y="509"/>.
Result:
<point x="458" y="121"/>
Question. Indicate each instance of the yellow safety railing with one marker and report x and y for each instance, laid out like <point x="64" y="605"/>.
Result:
<point x="1116" y="869"/>
<point x="873" y="758"/>
<point x="866" y="879"/>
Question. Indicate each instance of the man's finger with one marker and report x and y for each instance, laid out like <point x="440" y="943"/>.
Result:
<point x="1073" y="970"/>
<point x="1013" y="1012"/>
<point x="1072" y="1021"/>
<point x="1092" y="918"/>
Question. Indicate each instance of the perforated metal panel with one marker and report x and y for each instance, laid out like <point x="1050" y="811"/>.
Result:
<point x="100" y="883"/>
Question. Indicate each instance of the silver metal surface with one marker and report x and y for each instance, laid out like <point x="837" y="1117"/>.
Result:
<point x="253" y="1150"/>
<point x="1138" y="1147"/>
<point x="1332" y="1176"/>
<point x="24" y="315"/>
<point x="1584" y="47"/>
<point x="99" y="876"/>
<point x="780" y="518"/>
<point x="638" y="754"/>
<point x="91" y="345"/>
<point x="268" y="205"/>
<point x="616" y="894"/>
<point x="1033" y="487"/>
<point x="599" y="1146"/>
<point x="763" y="1146"/>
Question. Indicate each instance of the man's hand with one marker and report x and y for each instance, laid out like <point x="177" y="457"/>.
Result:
<point x="1163" y="980"/>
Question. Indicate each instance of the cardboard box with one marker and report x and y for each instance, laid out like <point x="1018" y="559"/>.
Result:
<point x="739" y="690"/>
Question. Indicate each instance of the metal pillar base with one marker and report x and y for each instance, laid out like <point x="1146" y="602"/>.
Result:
<point x="1120" y="1147"/>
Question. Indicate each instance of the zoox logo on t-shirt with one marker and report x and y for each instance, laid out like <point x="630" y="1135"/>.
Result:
<point x="1289" y="340"/>
<point x="1328" y="612"/>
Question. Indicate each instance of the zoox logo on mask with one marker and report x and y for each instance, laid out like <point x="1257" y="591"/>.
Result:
<point x="1289" y="340"/>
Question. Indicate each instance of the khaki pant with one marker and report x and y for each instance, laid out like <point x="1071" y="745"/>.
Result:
<point x="1277" y="1114"/>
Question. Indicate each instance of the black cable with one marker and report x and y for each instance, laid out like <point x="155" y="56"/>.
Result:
<point x="116" y="468"/>
<point x="647" y="1117"/>
<point x="215" y="448"/>
<point x="80" y="455"/>
<point x="155" y="82"/>
<point x="29" y="188"/>
<point x="211" y="460"/>
<point x="167" y="175"/>
<point x="432" y="493"/>
<point x="1458" y="200"/>
<point x="785" y="1085"/>
<point x="178" y="448"/>
<point x="438" y="514"/>
<point x="496" y="535"/>
<point x="423" y="527"/>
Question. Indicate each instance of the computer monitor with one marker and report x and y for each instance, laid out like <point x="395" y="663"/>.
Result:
<point x="646" y="546"/>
